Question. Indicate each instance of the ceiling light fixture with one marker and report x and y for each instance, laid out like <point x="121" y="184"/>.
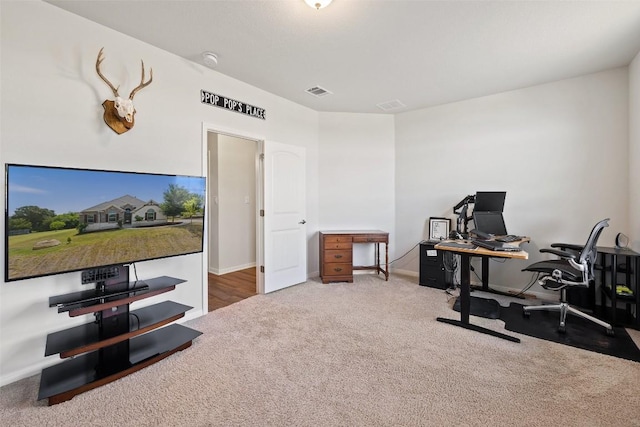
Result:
<point x="318" y="4"/>
<point x="210" y="59"/>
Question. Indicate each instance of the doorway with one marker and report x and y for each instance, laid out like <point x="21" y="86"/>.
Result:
<point x="280" y="238"/>
<point x="232" y="224"/>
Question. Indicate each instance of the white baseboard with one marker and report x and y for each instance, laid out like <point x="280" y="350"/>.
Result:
<point x="28" y="371"/>
<point x="221" y="271"/>
<point x="409" y="273"/>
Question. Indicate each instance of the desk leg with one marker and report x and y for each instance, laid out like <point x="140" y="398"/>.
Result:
<point x="485" y="274"/>
<point x="465" y="304"/>
<point x="386" y="262"/>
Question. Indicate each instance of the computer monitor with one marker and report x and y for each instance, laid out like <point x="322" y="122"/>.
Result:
<point x="489" y="201"/>
<point x="490" y="222"/>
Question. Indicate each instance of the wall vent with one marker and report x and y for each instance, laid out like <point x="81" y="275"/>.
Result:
<point x="390" y="105"/>
<point x="318" y="91"/>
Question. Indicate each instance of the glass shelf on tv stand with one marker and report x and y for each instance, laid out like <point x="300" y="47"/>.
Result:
<point x="93" y="300"/>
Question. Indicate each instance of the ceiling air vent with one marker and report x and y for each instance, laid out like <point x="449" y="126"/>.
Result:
<point x="390" y="105"/>
<point x="318" y="91"/>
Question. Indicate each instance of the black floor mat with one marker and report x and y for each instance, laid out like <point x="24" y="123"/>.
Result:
<point x="481" y="307"/>
<point x="580" y="333"/>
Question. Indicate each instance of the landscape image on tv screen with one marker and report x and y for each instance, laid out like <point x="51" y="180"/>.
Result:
<point x="60" y="220"/>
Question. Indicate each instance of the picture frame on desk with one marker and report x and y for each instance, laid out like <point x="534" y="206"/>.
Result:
<point x="439" y="228"/>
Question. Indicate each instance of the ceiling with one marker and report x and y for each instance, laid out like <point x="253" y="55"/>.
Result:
<point x="368" y="52"/>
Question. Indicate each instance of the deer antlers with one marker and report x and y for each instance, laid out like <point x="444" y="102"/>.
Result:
<point x="142" y="83"/>
<point x="114" y="89"/>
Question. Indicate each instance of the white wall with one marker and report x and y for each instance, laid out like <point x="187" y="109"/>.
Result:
<point x="236" y="203"/>
<point x="357" y="176"/>
<point x="52" y="115"/>
<point x="559" y="150"/>
<point x="634" y="153"/>
<point x="232" y="203"/>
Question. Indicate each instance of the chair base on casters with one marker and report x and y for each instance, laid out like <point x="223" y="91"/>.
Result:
<point x="565" y="308"/>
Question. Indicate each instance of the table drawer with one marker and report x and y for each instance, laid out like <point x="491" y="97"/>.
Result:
<point x="337" y="256"/>
<point x="369" y="239"/>
<point x="337" y="245"/>
<point x="337" y="269"/>
<point x="337" y="238"/>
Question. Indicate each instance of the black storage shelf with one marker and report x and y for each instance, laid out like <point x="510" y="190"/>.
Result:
<point x="77" y="373"/>
<point x="74" y="340"/>
<point x="620" y="266"/>
<point x="619" y="297"/>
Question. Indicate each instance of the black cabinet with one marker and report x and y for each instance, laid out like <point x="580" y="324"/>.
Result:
<point x="436" y="269"/>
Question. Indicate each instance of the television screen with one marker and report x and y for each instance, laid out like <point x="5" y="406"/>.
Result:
<point x="59" y="220"/>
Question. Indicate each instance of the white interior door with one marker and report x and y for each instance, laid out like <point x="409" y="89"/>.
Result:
<point x="285" y="233"/>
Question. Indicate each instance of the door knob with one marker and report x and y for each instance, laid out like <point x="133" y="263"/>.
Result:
<point x="302" y="222"/>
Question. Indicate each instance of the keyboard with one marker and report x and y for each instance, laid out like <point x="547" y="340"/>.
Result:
<point x="508" y="239"/>
<point x="464" y="245"/>
<point x="496" y="246"/>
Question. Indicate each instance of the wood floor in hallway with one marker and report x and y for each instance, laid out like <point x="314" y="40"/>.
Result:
<point x="228" y="288"/>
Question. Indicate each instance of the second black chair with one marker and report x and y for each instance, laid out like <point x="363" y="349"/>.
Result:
<point x="570" y="270"/>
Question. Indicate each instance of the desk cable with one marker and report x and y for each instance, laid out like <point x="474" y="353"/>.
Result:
<point x="406" y="253"/>
<point x="450" y="264"/>
<point x="534" y="279"/>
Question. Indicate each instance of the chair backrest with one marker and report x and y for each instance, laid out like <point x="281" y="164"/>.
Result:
<point x="590" y="252"/>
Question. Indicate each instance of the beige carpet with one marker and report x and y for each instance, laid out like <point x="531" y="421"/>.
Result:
<point x="364" y="354"/>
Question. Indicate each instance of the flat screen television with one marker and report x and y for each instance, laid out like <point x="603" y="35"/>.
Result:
<point x="59" y="220"/>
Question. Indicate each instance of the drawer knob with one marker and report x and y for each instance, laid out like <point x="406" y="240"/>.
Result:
<point x="337" y="256"/>
<point x="337" y="269"/>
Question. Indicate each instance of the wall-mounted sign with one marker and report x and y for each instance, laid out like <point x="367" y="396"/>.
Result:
<point x="232" y="105"/>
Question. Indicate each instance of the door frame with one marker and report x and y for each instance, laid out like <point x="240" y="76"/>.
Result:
<point x="259" y="139"/>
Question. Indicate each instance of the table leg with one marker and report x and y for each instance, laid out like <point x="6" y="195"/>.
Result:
<point x="465" y="304"/>
<point x="485" y="281"/>
<point x="386" y="261"/>
<point x="485" y="273"/>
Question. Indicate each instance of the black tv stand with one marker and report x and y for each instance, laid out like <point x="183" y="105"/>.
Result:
<point x="118" y="343"/>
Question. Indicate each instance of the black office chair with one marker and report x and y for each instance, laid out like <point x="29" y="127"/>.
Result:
<point x="572" y="269"/>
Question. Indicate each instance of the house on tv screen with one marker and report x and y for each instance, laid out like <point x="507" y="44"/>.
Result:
<point x="125" y="211"/>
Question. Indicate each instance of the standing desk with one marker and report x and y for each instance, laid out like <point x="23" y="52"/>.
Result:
<point x="465" y="282"/>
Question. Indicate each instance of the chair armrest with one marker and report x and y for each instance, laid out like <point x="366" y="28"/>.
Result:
<point x="561" y="254"/>
<point x="571" y="246"/>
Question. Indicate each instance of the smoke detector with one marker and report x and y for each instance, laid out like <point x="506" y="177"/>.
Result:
<point x="210" y="59"/>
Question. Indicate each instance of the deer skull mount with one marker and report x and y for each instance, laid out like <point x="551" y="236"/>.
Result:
<point x="119" y="113"/>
